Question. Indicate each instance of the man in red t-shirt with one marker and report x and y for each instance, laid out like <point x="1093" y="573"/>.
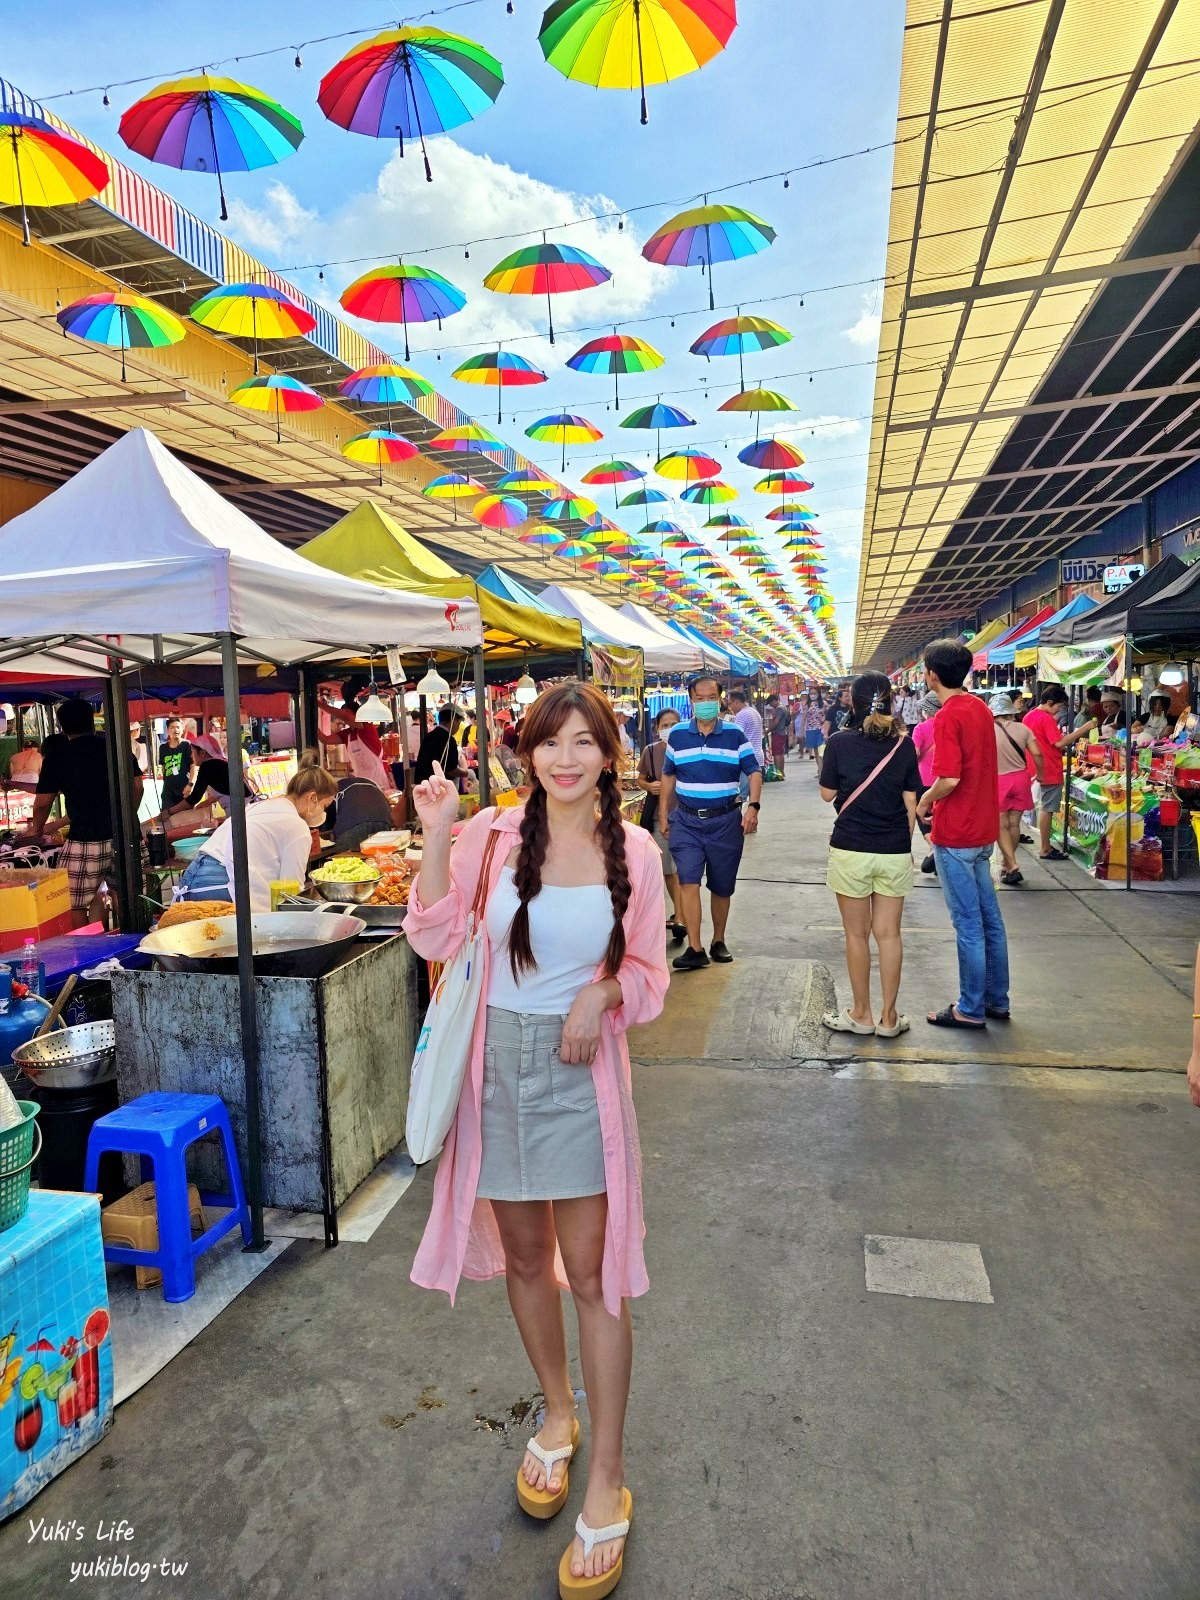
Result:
<point x="965" y="802"/>
<point x="1045" y="727"/>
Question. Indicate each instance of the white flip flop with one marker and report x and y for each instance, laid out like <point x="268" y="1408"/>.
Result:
<point x="843" y="1022"/>
<point x="903" y="1024"/>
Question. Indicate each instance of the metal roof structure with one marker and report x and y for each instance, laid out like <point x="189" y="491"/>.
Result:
<point x="1039" y="363"/>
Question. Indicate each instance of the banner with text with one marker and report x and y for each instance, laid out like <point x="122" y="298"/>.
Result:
<point x="1083" y="665"/>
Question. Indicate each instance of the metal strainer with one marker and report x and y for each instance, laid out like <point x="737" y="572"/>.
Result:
<point x="72" y="1059"/>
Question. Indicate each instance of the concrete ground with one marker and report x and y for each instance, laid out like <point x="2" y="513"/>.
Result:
<point x="792" y="1435"/>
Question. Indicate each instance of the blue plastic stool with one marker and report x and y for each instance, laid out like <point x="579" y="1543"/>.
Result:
<point x="159" y="1128"/>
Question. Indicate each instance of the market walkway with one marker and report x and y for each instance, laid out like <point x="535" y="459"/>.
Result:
<point x="1025" y="1428"/>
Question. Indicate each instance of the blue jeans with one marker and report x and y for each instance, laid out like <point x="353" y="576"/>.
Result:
<point x="966" y="880"/>
<point x="204" y="878"/>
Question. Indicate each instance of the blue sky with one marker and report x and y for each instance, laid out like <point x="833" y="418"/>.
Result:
<point x="802" y="80"/>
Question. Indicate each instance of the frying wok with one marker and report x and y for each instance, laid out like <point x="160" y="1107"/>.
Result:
<point x="287" y="944"/>
<point x="374" y="916"/>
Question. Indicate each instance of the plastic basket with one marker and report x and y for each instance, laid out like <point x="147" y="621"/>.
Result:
<point x="17" y="1155"/>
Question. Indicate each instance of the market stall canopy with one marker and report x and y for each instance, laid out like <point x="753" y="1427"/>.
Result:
<point x="739" y="664"/>
<point x="369" y="545"/>
<point x="135" y="542"/>
<point x="606" y="625"/>
<point x="497" y="581"/>
<point x="1172" y="617"/>
<point x="711" y="659"/>
<point x="1111" y="619"/>
<point x="986" y="636"/>
<point x="1008" y="639"/>
<point x="1023" y="652"/>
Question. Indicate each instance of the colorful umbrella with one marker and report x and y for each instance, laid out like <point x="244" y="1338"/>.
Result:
<point x="658" y="417"/>
<point x="208" y="124"/>
<point x="471" y="438"/>
<point x="614" y="472"/>
<point x="402" y="294"/>
<point x="252" y="311"/>
<point x="771" y="455"/>
<point x="500" y="369"/>
<point x="526" y="480"/>
<point x="691" y="465"/>
<point x="711" y="492"/>
<point x="541" y="538"/>
<point x="757" y="400"/>
<point x="41" y="166"/>
<point x="726" y="519"/>
<point x="627" y="44"/>
<point x="546" y="269"/>
<point x="782" y="483"/>
<point x="122" y="320"/>
<point x="277" y="395"/>
<point x="645" y="497"/>
<point x="379" y="447"/>
<point x="736" y="336"/>
<point x="569" y="508"/>
<point x="616" y="353"/>
<point x="704" y="235"/>
<point x="500" y="511"/>
<point x="385" y="385"/>
<point x="410" y="81"/>
<point x="572" y="549"/>
<point x="788" y="511"/>
<point x="564" y="429"/>
<point x="453" y="486"/>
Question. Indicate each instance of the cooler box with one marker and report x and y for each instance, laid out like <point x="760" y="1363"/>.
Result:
<point x="56" y="1367"/>
<point x="35" y="902"/>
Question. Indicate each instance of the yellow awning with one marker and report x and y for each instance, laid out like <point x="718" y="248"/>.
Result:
<point x="987" y="635"/>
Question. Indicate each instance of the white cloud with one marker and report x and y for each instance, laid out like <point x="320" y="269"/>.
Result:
<point x="279" y="221"/>
<point x="865" y="331"/>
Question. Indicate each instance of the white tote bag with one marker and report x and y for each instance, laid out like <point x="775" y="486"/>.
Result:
<point x="444" y="1044"/>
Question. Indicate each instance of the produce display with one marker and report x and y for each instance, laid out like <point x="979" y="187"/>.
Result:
<point x="345" y="869"/>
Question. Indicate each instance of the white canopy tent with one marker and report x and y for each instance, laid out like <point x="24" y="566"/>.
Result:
<point x="663" y="654"/>
<point x="711" y="660"/>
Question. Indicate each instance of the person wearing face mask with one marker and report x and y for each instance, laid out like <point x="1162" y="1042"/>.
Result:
<point x="701" y="815"/>
<point x="650" y="771"/>
<point x="278" y="841"/>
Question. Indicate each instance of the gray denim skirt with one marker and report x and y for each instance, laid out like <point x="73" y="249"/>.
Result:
<point x="539" y="1119"/>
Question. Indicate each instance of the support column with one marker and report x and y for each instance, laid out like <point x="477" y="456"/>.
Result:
<point x="481" y="729"/>
<point x="127" y="838"/>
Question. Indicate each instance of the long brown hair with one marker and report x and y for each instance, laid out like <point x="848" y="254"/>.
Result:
<point x="543" y="720"/>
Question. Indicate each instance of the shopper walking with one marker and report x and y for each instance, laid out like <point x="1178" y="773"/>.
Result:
<point x="776" y="721"/>
<point x="837" y="713"/>
<point x="870" y="774"/>
<point x="923" y="737"/>
<point x="540" y="1170"/>
<point x="650" y="771"/>
<point x="814" y="722"/>
<point x="707" y="827"/>
<point x="964" y="802"/>
<point x="1016" y="747"/>
<point x="1043" y="723"/>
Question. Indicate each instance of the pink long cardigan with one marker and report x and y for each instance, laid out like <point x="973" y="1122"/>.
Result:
<point x="461" y="1238"/>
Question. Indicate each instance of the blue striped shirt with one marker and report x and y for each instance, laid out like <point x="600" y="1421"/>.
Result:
<point x="706" y="766"/>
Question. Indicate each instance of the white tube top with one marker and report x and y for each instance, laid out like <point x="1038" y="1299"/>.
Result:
<point x="569" y="930"/>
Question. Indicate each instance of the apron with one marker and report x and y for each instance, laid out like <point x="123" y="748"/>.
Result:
<point x="365" y="763"/>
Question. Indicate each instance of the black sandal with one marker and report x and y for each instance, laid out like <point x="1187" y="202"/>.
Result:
<point x="948" y="1019"/>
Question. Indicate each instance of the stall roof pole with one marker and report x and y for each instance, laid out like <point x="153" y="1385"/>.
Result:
<point x="245" y="936"/>
<point x="120" y="799"/>
<point x="481" y="729"/>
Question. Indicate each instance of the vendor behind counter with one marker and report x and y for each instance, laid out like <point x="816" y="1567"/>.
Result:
<point x="360" y="808"/>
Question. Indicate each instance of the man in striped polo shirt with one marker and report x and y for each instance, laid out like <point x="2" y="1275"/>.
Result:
<point x="706" y="829"/>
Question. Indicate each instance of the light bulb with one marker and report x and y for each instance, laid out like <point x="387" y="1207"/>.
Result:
<point x="1172" y="673"/>
<point x="525" y="691"/>
<point x="433" y="682"/>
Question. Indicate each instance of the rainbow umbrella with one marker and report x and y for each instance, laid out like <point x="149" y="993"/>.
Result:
<point x="541" y="538"/>
<point x="122" y="320"/>
<point x="691" y="465"/>
<point x="408" y="82"/>
<point x="500" y="511"/>
<point x="788" y="511"/>
<point x="453" y="486"/>
<point x="645" y="497"/>
<point x="739" y="336"/>
<point x="379" y="447"/>
<point x="602" y="566"/>
<point x="662" y="529"/>
<point x="758" y="400"/>
<point x="569" y="508"/>
<point x="277" y="395"/>
<point x="658" y="417"/>
<point x="573" y="549"/>
<point x="563" y="428"/>
<point x="500" y="369"/>
<point x="252" y="311"/>
<point x="402" y="294"/>
<point x="205" y="124"/>
<point x="42" y="166"/>
<point x="726" y="519"/>
<point x="771" y="455"/>
<point x="704" y="235"/>
<point x="546" y="269"/>
<point x="526" y="480"/>
<point x="711" y="492"/>
<point x="628" y="44"/>
<point x="463" y="436"/>
<point x="616" y="353"/>
<point x="782" y="483"/>
<point x="385" y="385"/>
<point x="614" y="472"/>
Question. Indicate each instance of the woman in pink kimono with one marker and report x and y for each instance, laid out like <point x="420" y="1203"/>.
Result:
<point x="540" y="1177"/>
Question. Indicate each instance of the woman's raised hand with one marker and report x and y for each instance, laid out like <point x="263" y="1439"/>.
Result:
<point x="436" y="801"/>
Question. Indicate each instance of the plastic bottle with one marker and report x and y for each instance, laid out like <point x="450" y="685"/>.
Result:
<point x="107" y="913"/>
<point x="27" y="972"/>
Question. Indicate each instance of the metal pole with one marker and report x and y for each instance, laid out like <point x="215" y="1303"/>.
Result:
<point x="1128" y="763"/>
<point x="481" y="729"/>
<point x="306" y="704"/>
<point x="582" y="666"/>
<point x="120" y="799"/>
<point x="245" y="937"/>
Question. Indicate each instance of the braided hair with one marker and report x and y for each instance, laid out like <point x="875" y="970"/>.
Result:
<point x="545" y="717"/>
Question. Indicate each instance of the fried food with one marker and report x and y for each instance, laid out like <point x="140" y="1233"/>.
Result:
<point x="211" y="932"/>
<point x="391" y="892"/>
<point x="194" y="911"/>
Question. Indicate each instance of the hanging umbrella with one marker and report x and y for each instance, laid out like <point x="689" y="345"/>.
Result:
<point x="658" y="417"/>
<point x="788" y="510"/>
<point x="726" y="519"/>
<point x="252" y="311"/>
<point x="385" y="385"/>
<point x="453" y="486"/>
<point x="691" y="465"/>
<point x="771" y="455"/>
<point x="410" y="82"/>
<point x="526" y="480"/>
<point x="758" y="400"/>
<point x="379" y="447"/>
<point x="500" y="511"/>
<point x="205" y="124"/>
<point x="782" y="483"/>
<point x="564" y="429"/>
<point x="402" y="294"/>
<point x="546" y="269"/>
<point x="628" y="44"/>
<point x="704" y="235"/>
<point x="712" y="492"/>
<point x="615" y="473"/>
<point x="501" y="370"/>
<point x="277" y="395"/>
<point x="616" y="353"/>
<point x="739" y="336"/>
<point x="569" y="508"/>
<point x="469" y="437"/>
<point x="121" y="320"/>
<point x="645" y="497"/>
<point x="542" y="539"/>
<point x="573" y="549"/>
<point x="42" y="166"/>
